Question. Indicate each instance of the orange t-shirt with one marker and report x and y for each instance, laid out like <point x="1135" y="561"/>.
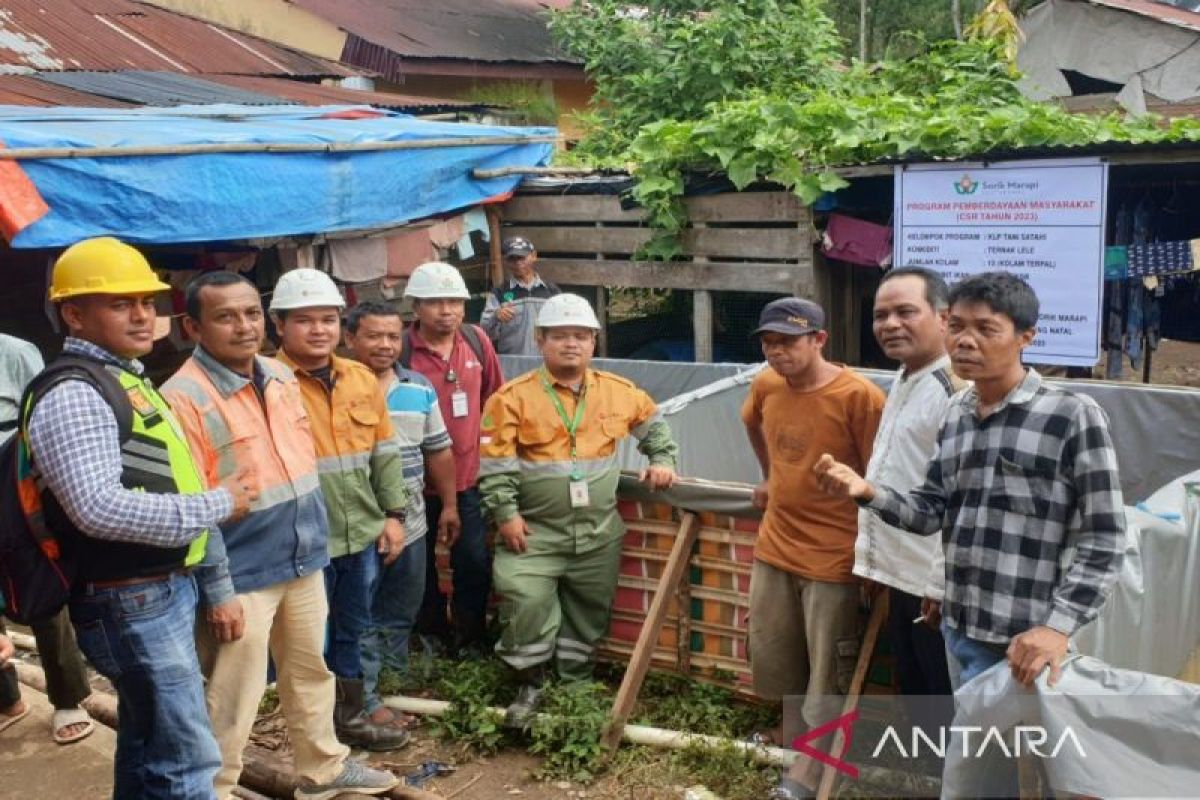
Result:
<point x="806" y="531"/>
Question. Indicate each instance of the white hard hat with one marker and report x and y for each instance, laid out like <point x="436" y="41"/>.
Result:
<point x="434" y="280"/>
<point x="305" y="288"/>
<point x="567" y="310"/>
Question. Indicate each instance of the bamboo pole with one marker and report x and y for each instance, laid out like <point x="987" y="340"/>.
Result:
<point x="37" y="153"/>
<point x="501" y="172"/>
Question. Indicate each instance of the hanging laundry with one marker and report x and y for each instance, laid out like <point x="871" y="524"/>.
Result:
<point x="1160" y="258"/>
<point x="446" y="233"/>
<point x="406" y="251"/>
<point x="1116" y="263"/>
<point x="357" y="260"/>
<point x="856" y="241"/>
<point x="474" y="220"/>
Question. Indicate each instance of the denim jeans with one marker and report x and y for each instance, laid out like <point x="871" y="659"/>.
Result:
<point x="348" y="581"/>
<point x="396" y="600"/>
<point x="141" y="638"/>
<point x="471" y="562"/>
<point x="967" y="657"/>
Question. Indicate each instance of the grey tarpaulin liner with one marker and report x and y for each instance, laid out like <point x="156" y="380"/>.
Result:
<point x="1139" y="734"/>
<point x="1152" y="621"/>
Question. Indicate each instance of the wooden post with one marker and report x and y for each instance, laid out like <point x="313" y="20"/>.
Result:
<point x="496" y="270"/>
<point x="602" y="316"/>
<point x="879" y="609"/>
<point x="639" y="661"/>
<point x="702" y="325"/>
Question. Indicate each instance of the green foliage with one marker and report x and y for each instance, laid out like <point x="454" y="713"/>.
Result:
<point x="473" y="687"/>
<point x="567" y="731"/>
<point x="269" y="703"/>
<point x="726" y="770"/>
<point x="520" y="102"/>
<point x="677" y="703"/>
<point x="748" y="89"/>
<point x="668" y="59"/>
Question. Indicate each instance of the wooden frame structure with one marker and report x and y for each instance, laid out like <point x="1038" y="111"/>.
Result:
<point x="735" y="241"/>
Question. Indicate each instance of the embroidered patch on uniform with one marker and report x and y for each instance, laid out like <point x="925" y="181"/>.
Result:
<point x="487" y="421"/>
<point x="141" y="404"/>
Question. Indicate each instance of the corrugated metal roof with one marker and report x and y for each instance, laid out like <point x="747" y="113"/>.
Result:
<point x="313" y="94"/>
<point x="43" y="35"/>
<point x="21" y="90"/>
<point x="477" y="30"/>
<point x="159" y="88"/>
<point x="1159" y="11"/>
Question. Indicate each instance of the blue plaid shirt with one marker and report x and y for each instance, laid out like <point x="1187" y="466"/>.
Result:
<point x="76" y="449"/>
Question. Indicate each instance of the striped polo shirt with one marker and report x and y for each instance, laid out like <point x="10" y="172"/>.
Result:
<point x="413" y="406"/>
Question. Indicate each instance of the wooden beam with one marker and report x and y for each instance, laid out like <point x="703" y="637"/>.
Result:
<point x="777" y="243"/>
<point x="745" y="276"/>
<point x="496" y="267"/>
<point x="702" y="325"/>
<point x="639" y="662"/>
<point x="879" y="612"/>
<point x="725" y="207"/>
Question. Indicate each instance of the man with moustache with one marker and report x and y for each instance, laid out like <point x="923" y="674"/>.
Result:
<point x="909" y="322"/>
<point x="803" y="592"/>
<point x="510" y="314"/>
<point x="128" y="503"/>
<point x="1024" y="473"/>
<point x="263" y="583"/>
<point x="375" y="336"/>
<point x="549" y="481"/>
<point x="362" y="480"/>
<point x="459" y="361"/>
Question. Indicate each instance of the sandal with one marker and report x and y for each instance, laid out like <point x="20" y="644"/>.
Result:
<point x="395" y="719"/>
<point x="65" y="718"/>
<point x="8" y="720"/>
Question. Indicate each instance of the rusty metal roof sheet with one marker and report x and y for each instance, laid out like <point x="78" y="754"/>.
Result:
<point x="1172" y="15"/>
<point x="477" y="30"/>
<point x="159" y="88"/>
<point x="57" y="35"/>
<point x="314" y="94"/>
<point x="22" y="90"/>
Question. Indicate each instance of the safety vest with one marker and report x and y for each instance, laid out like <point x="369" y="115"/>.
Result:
<point x="155" y="458"/>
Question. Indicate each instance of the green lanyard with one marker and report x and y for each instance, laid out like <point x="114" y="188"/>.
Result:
<point x="572" y="425"/>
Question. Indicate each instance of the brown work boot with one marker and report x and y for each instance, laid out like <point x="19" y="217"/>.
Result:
<point x="354" y="725"/>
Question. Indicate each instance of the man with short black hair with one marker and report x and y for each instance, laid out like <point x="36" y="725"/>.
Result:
<point x="375" y="337"/>
<point x="262" y="584"/>
<point x="909" y="322"/>
<point x="510" y="314"/>
<point x="1024" y="474"/>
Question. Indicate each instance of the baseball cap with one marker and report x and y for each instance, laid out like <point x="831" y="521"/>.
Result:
<point x="517" y="246"/>
<point x="791" y="316"/>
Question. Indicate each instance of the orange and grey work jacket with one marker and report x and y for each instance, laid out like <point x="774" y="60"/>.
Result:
<point x="526" y="463"/>
<point x="358" y="453"/>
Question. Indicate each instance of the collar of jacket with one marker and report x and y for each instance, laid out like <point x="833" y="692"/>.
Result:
<point x="227" y="382"/>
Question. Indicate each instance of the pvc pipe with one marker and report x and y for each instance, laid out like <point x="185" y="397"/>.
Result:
<point x="634" y="734"/>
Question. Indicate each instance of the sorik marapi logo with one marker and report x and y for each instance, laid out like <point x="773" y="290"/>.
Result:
<point x="966" y="185"/>
<point x="964" y="741"/>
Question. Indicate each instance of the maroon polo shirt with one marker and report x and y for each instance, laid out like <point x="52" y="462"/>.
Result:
<point x="479" y="381"/>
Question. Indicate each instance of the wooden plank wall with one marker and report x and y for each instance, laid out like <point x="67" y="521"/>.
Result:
<point x="736" y="241"/>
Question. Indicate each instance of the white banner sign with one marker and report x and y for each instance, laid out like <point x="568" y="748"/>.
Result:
<point x="1043" y="221"/>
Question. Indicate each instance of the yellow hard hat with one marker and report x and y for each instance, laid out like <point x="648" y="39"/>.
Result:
<point x="102" y="266"/>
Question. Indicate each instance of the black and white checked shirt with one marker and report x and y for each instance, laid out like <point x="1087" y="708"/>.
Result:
<point x="1028" y="502"/>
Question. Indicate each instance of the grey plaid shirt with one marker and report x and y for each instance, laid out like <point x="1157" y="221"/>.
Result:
<point x="1010" y="494"/>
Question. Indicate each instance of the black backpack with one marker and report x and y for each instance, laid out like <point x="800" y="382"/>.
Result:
<point x="36" y="574"/>
<point x="469" y="332"/>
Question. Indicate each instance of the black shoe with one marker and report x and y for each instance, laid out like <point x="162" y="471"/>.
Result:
<point x="520" y="712"/>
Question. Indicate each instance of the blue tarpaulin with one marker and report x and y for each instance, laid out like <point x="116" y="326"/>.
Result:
<point x="220" y="196"/>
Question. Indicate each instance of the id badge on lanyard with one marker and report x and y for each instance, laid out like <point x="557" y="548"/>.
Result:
<point x="578" y="488"/>
<point x="458" y="404"/>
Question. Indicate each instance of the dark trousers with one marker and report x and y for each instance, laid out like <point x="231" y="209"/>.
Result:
<point x="921" y="672"/>
<point x="471" y="562"/>
<point x="66" y="675"/>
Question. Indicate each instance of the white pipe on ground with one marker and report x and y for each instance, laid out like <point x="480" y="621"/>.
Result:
<point x="634" y="734"/>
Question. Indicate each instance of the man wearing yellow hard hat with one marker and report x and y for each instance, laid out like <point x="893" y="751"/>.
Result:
<point x="131" y="512"/>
